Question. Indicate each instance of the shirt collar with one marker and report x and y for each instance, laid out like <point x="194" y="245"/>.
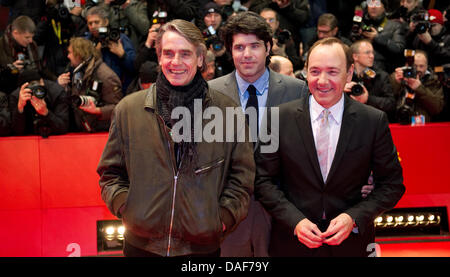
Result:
<point x="260" y="84"/>
<point x="336" y="111"/>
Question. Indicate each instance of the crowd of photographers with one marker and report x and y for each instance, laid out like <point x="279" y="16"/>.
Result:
<point x="64" y="65"/>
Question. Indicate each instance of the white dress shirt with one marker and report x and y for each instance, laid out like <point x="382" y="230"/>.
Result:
<point x="335" y="121"/>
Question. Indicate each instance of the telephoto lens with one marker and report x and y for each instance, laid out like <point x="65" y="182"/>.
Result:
<point x="82" y="100"/>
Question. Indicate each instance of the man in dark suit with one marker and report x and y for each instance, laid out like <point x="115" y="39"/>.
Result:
<point x="328" y="146"/>
<point x="249" y="38"/>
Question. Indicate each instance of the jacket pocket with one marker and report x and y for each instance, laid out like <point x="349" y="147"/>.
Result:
<point x="209" y="166"/>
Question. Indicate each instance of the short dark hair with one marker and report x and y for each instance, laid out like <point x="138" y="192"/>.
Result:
<point x="327" y="19"/>
<point x="247" y="23"/>
<point x="330" y="41"/>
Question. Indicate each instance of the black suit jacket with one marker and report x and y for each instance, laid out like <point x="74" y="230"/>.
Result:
<point x="365" y="144"/>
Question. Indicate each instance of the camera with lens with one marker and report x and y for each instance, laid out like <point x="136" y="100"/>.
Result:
<point x="92" y="93"/>
<point x="282" y="36"/>
<point x="106" y="34"/>
<point x="409" y="71"/>
<point x="357" y="89"/>
<point x="159" y="17"/>
<point x="37" y="90"/>
<point x="211" y="38"/>
<point x="421" y="20"/>
<point x="367" y="77"/>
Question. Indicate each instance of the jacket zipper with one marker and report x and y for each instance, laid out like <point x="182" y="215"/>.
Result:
<point x="175" y="181"/>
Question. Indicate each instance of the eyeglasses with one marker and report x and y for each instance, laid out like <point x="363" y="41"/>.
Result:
<point x="374" y="3"/>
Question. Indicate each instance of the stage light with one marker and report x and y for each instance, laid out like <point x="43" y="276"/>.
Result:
<point x="121" y="230"/>
<point x="110" y="235"/>
<point x="412" y="221"/>
<point x="110" y="230"/>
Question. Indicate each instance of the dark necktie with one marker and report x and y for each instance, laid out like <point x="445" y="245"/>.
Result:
<point x="252" y="102"/>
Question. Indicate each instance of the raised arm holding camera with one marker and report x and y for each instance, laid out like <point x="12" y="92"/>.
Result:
<point x="38" y="106"/>
<point x="369" y="86"/>
<point x="427" y="32"/>
<point x="116" y="48"/>
<point x="417" y="89"/>
<point x="18" y="52"/>
<point x="94" y="88"/>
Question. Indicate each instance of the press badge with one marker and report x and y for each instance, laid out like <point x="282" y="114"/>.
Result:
<point x="418" y="120"/>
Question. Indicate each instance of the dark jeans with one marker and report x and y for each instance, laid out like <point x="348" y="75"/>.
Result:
<point x="131" y="251"/>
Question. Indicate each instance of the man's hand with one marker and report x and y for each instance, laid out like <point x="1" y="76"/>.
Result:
<point x="152" y="34"/>
<point x="398" y="75"/>
<point x="308" y="233"/>
<point x="91" y="108"/>
<point x="360" y="98"/>
<point x="18" y="64"/>
<point x="116" y="48"/>
<point x="64" y="79"/>
<point x="24" y="96"/>
<point x="370" y="34"/>
<point x="413" y="83"/>
<point x="39" y="105"/>
<point x="425" y="37"/>
<point x="338" y="230"/>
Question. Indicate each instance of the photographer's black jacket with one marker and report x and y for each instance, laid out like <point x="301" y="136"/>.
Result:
<point x="29" y="122"/>
<point x="380" y="91"/>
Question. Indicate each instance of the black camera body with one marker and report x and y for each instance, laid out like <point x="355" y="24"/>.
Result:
<point x="159" y="17"/>
<point x="282" y="36"/>
<point x="37" y="90"/>
<point x="421" y="19"/>
<point x="211" y="38"/>
<point x="367" y="77"/>
<point x="106" y="34"/>
<point x="409" y="72"/>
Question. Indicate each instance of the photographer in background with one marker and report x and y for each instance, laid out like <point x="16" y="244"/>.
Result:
<point x="406" y="10"/>
<point x="18" y="52"/>
<point x="283" y="42"/>
<point x="427" y="32"/>
<point x="369" y="86"/>
<point x="54" y="31"/>
<point x="116" y="48"/>
<point x="94" y="88"/>
<point x="212" y="21"/>
<point x="129" y="16"/>
<point x="38" y="106"/>
<point x="417" y="90"/>
<point x="387" y="36"/>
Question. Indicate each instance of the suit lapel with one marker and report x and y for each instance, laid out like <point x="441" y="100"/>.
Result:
<point x="303" y="119"/>
<point x="348" y="122"/>
<point x="231" y="87"/>
<point x="276" y="87"/>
